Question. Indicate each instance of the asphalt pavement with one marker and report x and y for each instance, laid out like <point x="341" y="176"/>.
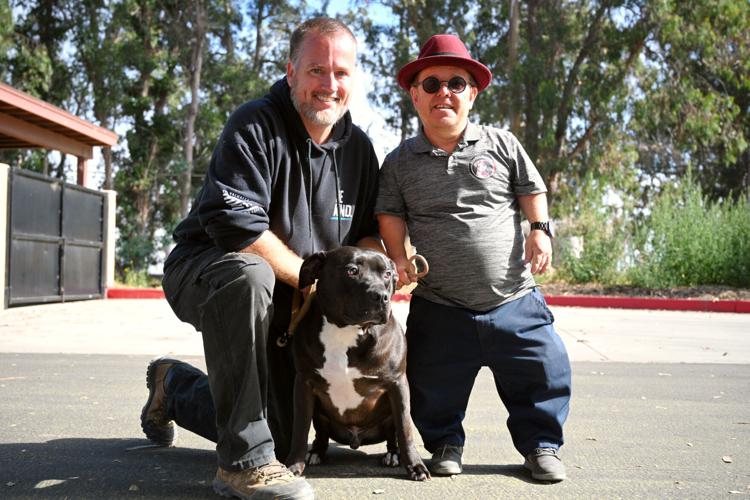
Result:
<point x="660" y="410"/>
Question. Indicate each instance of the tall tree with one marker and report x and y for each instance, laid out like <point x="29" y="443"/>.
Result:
<point x="7" y="38"/>
<point x="396" y="41"/>
<point x="272" y="22"/>
<point x="514" y="14"/>
<point x="575" y="59"/>
<point x="560" y="80"/>
<point x="695" y="109"/>
<point x="99" y="63"/>
<point x="36" y="66"/>
<point x="197" y="36"/>
<point x="146" y="175"/>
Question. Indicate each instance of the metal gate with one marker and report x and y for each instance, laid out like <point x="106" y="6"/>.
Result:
<point x="57" y="232"/>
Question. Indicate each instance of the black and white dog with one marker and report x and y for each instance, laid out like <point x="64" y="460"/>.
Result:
<point x="350" y="357"/>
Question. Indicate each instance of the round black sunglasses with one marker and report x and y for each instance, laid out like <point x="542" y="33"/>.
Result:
<point x="432" y="84"/>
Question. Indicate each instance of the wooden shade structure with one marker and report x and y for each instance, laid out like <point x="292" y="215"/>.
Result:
<point x="27" y="122"/>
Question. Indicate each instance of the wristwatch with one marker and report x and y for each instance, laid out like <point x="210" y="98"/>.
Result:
<point x="544" y="226"/>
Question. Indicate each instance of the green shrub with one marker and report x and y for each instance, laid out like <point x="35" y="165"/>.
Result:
<point x="689" y="241"/>
<point x="597" y="262"/>
<point x="138" y="278"/>
<point x="604" y="232"/>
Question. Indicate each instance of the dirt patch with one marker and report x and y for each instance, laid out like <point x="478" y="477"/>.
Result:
<point x="703" y="292"/>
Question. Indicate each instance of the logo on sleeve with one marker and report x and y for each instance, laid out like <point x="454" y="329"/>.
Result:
<point x="239" y="203"/>
<point x="483" y="166"/>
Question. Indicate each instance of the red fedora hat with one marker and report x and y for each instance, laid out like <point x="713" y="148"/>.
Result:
<point x="444" y="50"/>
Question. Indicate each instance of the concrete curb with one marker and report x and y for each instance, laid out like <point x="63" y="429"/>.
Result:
<point x="596" y="301"/>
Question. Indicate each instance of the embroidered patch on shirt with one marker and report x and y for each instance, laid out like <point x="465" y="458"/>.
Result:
<point x="239" y="203"/>
<point x="483" y="166"/>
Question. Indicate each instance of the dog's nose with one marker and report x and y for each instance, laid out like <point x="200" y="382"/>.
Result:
<point x="383" y="297"/>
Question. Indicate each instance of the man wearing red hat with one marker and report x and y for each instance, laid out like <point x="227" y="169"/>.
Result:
<point x="458" y="189"/>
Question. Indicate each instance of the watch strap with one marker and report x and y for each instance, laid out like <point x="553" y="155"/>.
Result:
<point x="543" y="226"/>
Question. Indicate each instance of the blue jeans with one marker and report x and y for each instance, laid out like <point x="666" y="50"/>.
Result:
<point x="448" y="345"/>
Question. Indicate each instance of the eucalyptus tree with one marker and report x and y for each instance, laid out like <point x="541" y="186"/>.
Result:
<point x="393" y="40"/>
<point x="563" y="66"/>
<point x="98" y="67"/>
<point x="574" y="65"/>
<point x="151" y="88"/>
<point x="35" y="64"/>
<point x="694" y="109"/>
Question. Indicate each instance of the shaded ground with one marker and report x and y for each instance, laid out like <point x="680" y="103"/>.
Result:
<point x="703" y="292"/>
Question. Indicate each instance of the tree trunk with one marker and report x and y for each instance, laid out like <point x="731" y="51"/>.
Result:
<point x="515" y="95"/>
<point x="572" y="82"/>
<point x="196" y="65"/>
<point x="227" y="38"/>
<point x="258" y="36"/>
<point x="60" y="169"/>
<point x="531" y="84"/>
<point x="107" y="153"/>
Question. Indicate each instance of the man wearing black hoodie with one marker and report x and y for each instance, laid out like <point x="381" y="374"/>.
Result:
<point x="290" y="176"/>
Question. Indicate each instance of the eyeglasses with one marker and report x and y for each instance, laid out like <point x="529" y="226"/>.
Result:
<point x="432" y="84"/>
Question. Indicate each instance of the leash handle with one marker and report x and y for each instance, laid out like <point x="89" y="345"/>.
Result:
<point x="299" y="309"/>
<point x="422" y="262"/>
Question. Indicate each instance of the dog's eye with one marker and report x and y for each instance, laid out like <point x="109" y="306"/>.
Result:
<point x="352" y="271"/>
<point x="387" y="275"/>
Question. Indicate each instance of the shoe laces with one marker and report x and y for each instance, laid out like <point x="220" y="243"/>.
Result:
<point x="271" y="471"/>
<point x="538" y="452"/>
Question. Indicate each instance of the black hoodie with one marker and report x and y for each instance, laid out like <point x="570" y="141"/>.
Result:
<point x="266" y="173"/>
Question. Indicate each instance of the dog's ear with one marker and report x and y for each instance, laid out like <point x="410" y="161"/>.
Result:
<point x="311" y="266"/>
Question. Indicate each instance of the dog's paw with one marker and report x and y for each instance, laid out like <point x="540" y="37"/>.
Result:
<point x="313" y="458"/>
<point x="390" y="459"/>
<point x="297" y="468"/>
<point x="418" y="472"/>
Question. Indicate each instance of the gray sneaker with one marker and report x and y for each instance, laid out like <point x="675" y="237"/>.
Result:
<point x="447" y="460"/>
<point x="154" y="421"/>
<point x="545" y="465"/>
<point x="272" y="481"/>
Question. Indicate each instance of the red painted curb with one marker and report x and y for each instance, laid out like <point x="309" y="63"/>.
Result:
<point x="604" y="301"/>
<point x="135" y="293"/>
<point x="731" y="306"/>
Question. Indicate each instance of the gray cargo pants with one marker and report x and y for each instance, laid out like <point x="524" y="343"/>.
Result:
<point x="228" y="297"/>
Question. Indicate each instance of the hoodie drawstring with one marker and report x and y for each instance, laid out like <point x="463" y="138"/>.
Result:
<point x="309" y="195"/>
<point x="338" y="193"/>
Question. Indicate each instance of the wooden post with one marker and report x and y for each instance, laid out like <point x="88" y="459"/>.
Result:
<point x="110" y="222"/>
<point x="4" y="222"/>
<point x="83" y="171"/>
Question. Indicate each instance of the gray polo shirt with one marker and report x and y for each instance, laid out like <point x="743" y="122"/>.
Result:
<point x="462" y="214"/>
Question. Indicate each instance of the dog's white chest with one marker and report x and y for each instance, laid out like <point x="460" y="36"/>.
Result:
<point x="336" y="370"/>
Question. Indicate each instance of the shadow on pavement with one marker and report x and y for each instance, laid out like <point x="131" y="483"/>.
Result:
<point x="343" y="462"/>
<point x="111" y="468"/>
<point x="104" y="468"/>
